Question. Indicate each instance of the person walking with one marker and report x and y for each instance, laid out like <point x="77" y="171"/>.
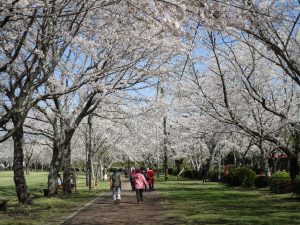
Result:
<point x="144" y="173"/>
<point x="140" y="183"/>
<point x="150" y="179"/>
<point x="115" y="185"/>
<point x="205" y="171"/>
<point x="131" y="178"/>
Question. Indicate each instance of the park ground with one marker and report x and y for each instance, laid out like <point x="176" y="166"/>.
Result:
<point x="174" y="202"/>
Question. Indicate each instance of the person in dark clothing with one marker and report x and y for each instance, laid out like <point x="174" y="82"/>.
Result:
<point x="115" y="185"/>
<point x="144" y="173"/>
<point x="126" y="172"/>
<point x="205" y="170"/>
<point x="131" y="178"/>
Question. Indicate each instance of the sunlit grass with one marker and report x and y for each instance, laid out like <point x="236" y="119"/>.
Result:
<point x="194" y="202"/>
<point x="43" y="210"/>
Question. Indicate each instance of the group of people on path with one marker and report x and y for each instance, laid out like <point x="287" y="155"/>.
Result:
<point x="140" y="180"/>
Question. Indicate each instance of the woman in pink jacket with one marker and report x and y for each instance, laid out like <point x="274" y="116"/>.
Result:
<point x="140" y="183"/>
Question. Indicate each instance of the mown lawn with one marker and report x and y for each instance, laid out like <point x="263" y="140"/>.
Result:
<point x="194" y="202"/>
<point x="43" y="210"/>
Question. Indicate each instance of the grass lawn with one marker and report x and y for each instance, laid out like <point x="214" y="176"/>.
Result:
<point x="43" y="210"/>
<point x="194" y="202"/>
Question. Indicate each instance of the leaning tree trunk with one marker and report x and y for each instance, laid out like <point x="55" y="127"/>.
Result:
<point x="19" y="177"/>
<point x="67" y="188"/>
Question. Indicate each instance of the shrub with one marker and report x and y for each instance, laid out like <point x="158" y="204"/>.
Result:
<point x="192" y="174"/>
<point x="240" y="176"/>
<point x="213" y="175"/>
<point x="297" y="185"/>
<point x="171" y="171"/>
<point x="262" y="181"/>
<point x="281" y="183"/>
<point x="174" y="171"/>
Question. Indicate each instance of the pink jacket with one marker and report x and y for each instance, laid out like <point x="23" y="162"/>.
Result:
<point x="140" y="181"/>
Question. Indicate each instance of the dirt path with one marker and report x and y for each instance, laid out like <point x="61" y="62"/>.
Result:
<point x="103" y="211"/>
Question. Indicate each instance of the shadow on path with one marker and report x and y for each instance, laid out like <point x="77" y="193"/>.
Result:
<point x="103" y="211"/>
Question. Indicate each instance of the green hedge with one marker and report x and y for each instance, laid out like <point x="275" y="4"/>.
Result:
<point x="240" y="176"/>
<point x="262" y="181"/>
<point x="281" y="183"/>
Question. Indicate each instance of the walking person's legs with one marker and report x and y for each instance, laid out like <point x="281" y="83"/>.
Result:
<point x="116" y="194"/>
<point x="141" y="194"/>
<point x="132" y="184"/>
<point x="138" y="195"/>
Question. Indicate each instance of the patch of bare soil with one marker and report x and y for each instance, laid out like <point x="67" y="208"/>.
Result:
<point x="104" y="211"/>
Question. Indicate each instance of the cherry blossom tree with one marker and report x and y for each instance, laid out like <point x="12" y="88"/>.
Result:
<point x="6" y="153"/>
<point x="274" y="25"/>
<point x="35" y="35"/>
<point x="237" y="90"/>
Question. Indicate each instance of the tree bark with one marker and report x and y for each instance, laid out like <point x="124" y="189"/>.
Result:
<point x="28" y="164"/>
<point x="294" y="156"/>
<point x="101" y="177"/>
<point x="55" y="167"/>
<point x="93" y="173"/>
<point x="19" y="177"/>
<point x="294" y="167"/>
<point x="67" y="188"/>
<point x="89" y="161"/>
<point x="165" y="148"/>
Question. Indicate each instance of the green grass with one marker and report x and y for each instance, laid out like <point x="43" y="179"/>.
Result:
<point x="43" y="210"/>
<point x="191" y="202"/>
<point x="194" y="202"/>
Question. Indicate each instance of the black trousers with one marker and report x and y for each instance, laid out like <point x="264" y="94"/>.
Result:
<point x="139" y="195"/>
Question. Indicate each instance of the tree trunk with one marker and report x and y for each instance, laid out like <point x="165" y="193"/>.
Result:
<point x="93" y="173"/>
<point x="267" y="168"/>
<point x="54" y="169"/>
<point x="265" y="164"/>
<point x="165" y="149"/>
<point x="294" y="157"/>
<point x="67" y="188"/>
<point x="89" y="169"/>
<point x="27" y="170"/>
<point x="101" y="171"/>
<point x="19" y="177"/>
<point x="89" y="161"/>
<point x="28" y="166"/>
<point x="294" y="166"/>
<point x="86" y="164"/>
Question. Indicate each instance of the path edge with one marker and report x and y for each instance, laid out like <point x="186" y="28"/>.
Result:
<point x="81" y="208"/>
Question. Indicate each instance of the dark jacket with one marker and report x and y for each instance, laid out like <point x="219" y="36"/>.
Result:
<point x="116" y="180"/>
